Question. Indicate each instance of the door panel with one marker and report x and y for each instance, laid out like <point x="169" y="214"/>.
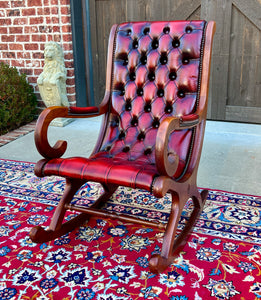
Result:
<point x="235" y="93"/>
<point x="243" y="81"/>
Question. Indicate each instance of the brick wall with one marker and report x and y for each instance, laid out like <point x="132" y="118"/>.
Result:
<point x="25" y="27"/>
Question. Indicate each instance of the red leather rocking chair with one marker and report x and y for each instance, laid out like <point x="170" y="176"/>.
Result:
<point x="154" y="109"/>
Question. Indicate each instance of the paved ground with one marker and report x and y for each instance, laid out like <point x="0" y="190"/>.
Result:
<point x="15" y="134"/>
<point x="231" y="157"/>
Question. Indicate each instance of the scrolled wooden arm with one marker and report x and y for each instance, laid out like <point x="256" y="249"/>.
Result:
<point x="44" y="120"/>
<point x="167" y="163"/>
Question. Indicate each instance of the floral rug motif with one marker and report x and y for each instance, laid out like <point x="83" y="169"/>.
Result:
<point x="108" y="260"/>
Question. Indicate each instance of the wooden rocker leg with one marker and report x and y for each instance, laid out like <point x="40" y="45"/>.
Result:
<point x="172" y="245"/>
<point x="57" y="228"/>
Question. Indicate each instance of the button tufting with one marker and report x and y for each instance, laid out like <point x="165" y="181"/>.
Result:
<point x="115" y="122"/>
<point x="185" y="61"/>
<point x="160" y="92"/>
<point x="150" y="82"/>
<point x="181" y="94"/>
<point x="168" y="108"/>
<point x="172" y="75"/>
<point x="166" y="30"/>
<point x="122" y="135"/>
<point x="128" y="105"/>
<point x="148" y="151"/>
<point x="132" y="76"/>
<point x="147" y="107"/>
<point x="146" y="30"/>
<point x="134" y="121"/>
<point x="188" y="29"/>
<point x="126" y="149"/>
<point x="141" y="136"/>
<point x="155" y="43"/>
<point x="135" y="44"/>
<point x="143" y="59"/>
<point x="156" y="123"/>
<point x="151" y="76"/>
<point x="164" y="58"/>
<point x="140" y="92"/>
<point x="175" y="43"/>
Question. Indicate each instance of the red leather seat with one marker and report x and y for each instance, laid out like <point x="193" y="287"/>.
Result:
<point x="154" y="111"/>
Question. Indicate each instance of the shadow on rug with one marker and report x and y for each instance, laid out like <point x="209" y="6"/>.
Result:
<point x="107" y="259"/>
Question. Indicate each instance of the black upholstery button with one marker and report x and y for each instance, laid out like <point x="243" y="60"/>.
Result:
<point x="122" y="92"/>
<point x="143" y="59"/>
<point x="155" y="43"/>
<point x="151" y="76"/>
<point x="107" y="148"/>
<point x="172" y="75"/>
<point x="141" y="136"/>
<point x="134" y="121"/>
<point x="140" y="92"/>
<point x="146" y="30"/>
<point x="115" y="122"/>
<point x="147" y="107"/>
<point x="125" y="62"/>
<point x="181" y="94"/>
<point x="160" y="92"/>
<point x="128" y="105"/>
<point x="132" y="76"/>
<point x="166" y="30"/>
<point x="126" y="149"/>
<point x="185" y="61"/>
<point x="175" y="43"/>
<point x="128" y="32"/>
<point x="188" y="29"/>
<point x="168" y="108"/>
<point x="163" y="58"/>
<point x="156" y="123"/>
<point x="135" y="44"/>
<point x="148" y="151"/>
<point x="122" y="135"/>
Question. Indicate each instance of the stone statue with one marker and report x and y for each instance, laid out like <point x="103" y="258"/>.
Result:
<point x="51" y="81"/>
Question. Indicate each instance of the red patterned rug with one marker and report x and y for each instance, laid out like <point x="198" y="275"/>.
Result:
<point x="108" y="260"/>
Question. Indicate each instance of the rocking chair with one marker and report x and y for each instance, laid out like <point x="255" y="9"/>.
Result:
<point x="154" y="109"/>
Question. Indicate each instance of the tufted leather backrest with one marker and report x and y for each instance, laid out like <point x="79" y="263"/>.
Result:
<point x="156" y="71"/>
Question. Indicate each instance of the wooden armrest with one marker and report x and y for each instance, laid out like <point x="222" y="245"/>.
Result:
<point x="167" y="163"/>
<point x="44" y="120"/>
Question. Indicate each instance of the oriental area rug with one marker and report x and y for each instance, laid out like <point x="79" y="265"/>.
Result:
<point x="108" y="260"/>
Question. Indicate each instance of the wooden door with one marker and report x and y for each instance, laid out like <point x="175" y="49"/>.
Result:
<point x="235" y="90"/>
<point x="235" y="93"/>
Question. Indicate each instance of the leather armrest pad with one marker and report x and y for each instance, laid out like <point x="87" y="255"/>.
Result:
<point x="84" y="110"/>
